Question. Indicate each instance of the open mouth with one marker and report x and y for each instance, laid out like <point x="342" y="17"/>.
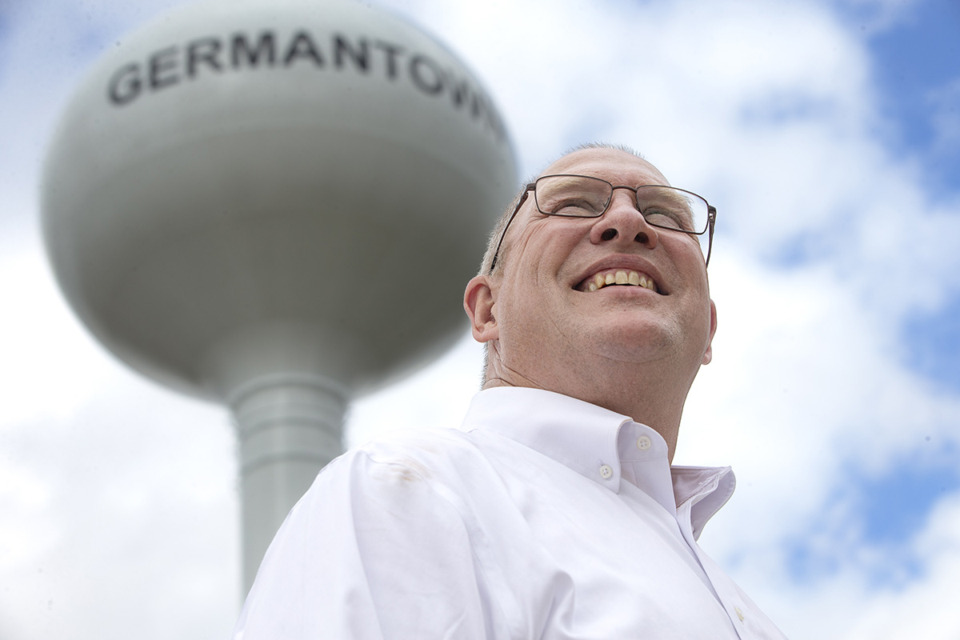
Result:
<point x="617" y="278"/>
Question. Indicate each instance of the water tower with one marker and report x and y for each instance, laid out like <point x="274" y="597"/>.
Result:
<point x="274" y="205"/>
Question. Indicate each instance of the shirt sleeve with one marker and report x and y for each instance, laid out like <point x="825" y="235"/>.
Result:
<point x="372" y="551"/>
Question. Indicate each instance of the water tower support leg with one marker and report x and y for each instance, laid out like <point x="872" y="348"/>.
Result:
<point x="289" y="427"/>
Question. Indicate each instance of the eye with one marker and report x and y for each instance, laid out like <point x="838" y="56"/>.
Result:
<point x="575" y="205"/>
<point x="572" y="195"/>
<point x="667" y="218"/>
<point x="578" y="204"/>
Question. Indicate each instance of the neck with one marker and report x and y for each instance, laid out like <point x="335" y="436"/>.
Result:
<point x="648" y="394"/>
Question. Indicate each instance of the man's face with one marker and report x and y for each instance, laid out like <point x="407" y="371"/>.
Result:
<point x="550" y="301"/>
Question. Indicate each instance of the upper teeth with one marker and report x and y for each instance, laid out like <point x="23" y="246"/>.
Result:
<point x="633" y="278"/>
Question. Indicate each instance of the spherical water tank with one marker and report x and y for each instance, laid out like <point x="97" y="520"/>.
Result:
<point x="252" y="186"/>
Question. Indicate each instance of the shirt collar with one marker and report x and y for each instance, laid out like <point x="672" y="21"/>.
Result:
<point x="584" y="437"/>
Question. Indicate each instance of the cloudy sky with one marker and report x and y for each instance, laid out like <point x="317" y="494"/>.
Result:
<point x="827" y="133"/>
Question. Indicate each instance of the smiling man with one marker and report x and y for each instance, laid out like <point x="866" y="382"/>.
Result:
<point x="553" y="511"/>
<point x="574" y="323"/>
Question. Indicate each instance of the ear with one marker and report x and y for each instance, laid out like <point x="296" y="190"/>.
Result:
<point x="478" y="302"/>
<point x="708" y="355"/>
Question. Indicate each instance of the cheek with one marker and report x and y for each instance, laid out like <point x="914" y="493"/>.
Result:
<point x="683" y="247"/>
<point x="690" y="267"/>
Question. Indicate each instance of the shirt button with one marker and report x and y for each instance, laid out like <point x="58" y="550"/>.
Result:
<point x="643" y="443"/>
<point x="606" y="471"/>
<point x="739" y="613"/>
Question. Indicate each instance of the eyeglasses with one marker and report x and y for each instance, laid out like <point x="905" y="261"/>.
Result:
<point x="573" y="196"/>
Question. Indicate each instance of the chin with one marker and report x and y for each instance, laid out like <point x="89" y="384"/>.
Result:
<point x="637" y="343"/>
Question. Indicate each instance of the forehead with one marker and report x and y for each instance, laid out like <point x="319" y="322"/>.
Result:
<point x="613" y="165"/>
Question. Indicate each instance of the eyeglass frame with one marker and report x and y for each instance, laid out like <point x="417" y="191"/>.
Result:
<point x="532" y="186"/>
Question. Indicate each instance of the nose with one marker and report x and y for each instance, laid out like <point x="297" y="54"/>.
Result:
<point x="623" y="222"/>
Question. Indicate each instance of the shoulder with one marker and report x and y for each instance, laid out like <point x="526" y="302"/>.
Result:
<point x="437" y="455"/>
<point x="417" y="447"/>
<point x="437" y="472"/>
<point x="428" y="440"/>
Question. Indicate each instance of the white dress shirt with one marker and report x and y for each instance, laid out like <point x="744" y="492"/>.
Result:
<point x="541" y="517"/>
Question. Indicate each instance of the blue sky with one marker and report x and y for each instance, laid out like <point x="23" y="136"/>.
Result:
<point x="826" y="132"/>
<point x="915" y="65"/>
<point x="917" y="75"/>
<point x="886" y="511"/>
<point x="935" y="344"/>
<point x="918" y="83"/>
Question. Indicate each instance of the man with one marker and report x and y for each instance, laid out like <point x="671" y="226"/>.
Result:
<point x="553" y="511"/>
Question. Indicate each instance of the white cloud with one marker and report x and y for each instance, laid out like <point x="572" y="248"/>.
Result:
<point x="926" y="608"/>
<point x="56" y="365"/>
<point x="802" y="392"/>
<point x="119" y="516"/>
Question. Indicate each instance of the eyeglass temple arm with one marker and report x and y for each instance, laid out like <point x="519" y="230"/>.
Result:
<point x="496" y="254"/>
<point x="712" y="217"/>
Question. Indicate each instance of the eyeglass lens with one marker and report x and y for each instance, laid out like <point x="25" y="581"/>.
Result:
<point x="661" y="206"/>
